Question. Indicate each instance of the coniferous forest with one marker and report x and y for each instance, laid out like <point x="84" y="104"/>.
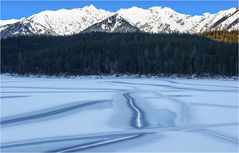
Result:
<point x="118" y="53"/>
<point x="226" y="36"/>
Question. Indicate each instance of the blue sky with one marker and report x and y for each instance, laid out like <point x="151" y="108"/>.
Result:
<point x="18" y="9"/>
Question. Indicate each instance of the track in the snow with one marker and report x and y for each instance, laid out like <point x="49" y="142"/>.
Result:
<point x="175" y="87"/>
<point x="94" y="144"/>
<point x="50" y="112"/>
<point x="138" y="120"/>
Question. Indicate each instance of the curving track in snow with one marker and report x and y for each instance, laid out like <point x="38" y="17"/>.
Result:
<point x="138" y="119"/>
<point x="50" y="112"/>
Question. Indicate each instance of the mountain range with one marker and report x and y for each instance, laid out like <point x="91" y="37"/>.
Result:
<point x="90" y="19"/>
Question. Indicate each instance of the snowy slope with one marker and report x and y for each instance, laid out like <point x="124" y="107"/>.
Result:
<point x="114" y="23"/>
<point x="3" y="23"/>
<point x="223" y="20"/>
<point x="152" y="20"/>
<point x="60" y="22"/>
<point x="158" y="19"/>
<point x="155" y="19"/>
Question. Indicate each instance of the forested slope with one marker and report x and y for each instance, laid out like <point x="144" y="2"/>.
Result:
<point x="114" y="53"/>
<point x="225" y="36"/>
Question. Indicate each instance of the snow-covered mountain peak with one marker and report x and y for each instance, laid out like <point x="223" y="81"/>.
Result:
<point x="133" y="15"/>
<point x="231" y="10"/>
<point x="134" y="9"/>
<point x="89" y="8"/>
<point x="153" y="20"/>
<point x="11" y="21"/>
<point x="3" y="23"/>
<point x="115" y="23"/>
<point x="59" y="22"/>
<point x="161" y="9"/>
<point x="205" y="14"/>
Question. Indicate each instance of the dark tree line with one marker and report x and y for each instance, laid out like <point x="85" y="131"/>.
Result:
<point x="128" y="53"/>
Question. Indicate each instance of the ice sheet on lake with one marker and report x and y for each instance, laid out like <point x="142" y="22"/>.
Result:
<point x="118" y="115"/>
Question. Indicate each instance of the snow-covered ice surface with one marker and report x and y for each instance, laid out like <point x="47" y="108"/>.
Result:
<point x="118" y="115"/>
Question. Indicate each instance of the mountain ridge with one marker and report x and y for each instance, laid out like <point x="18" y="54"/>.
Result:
<point x="153" y="20"/>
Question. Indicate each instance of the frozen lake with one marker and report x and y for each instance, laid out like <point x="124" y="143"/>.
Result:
<point x="118" y="115"/>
